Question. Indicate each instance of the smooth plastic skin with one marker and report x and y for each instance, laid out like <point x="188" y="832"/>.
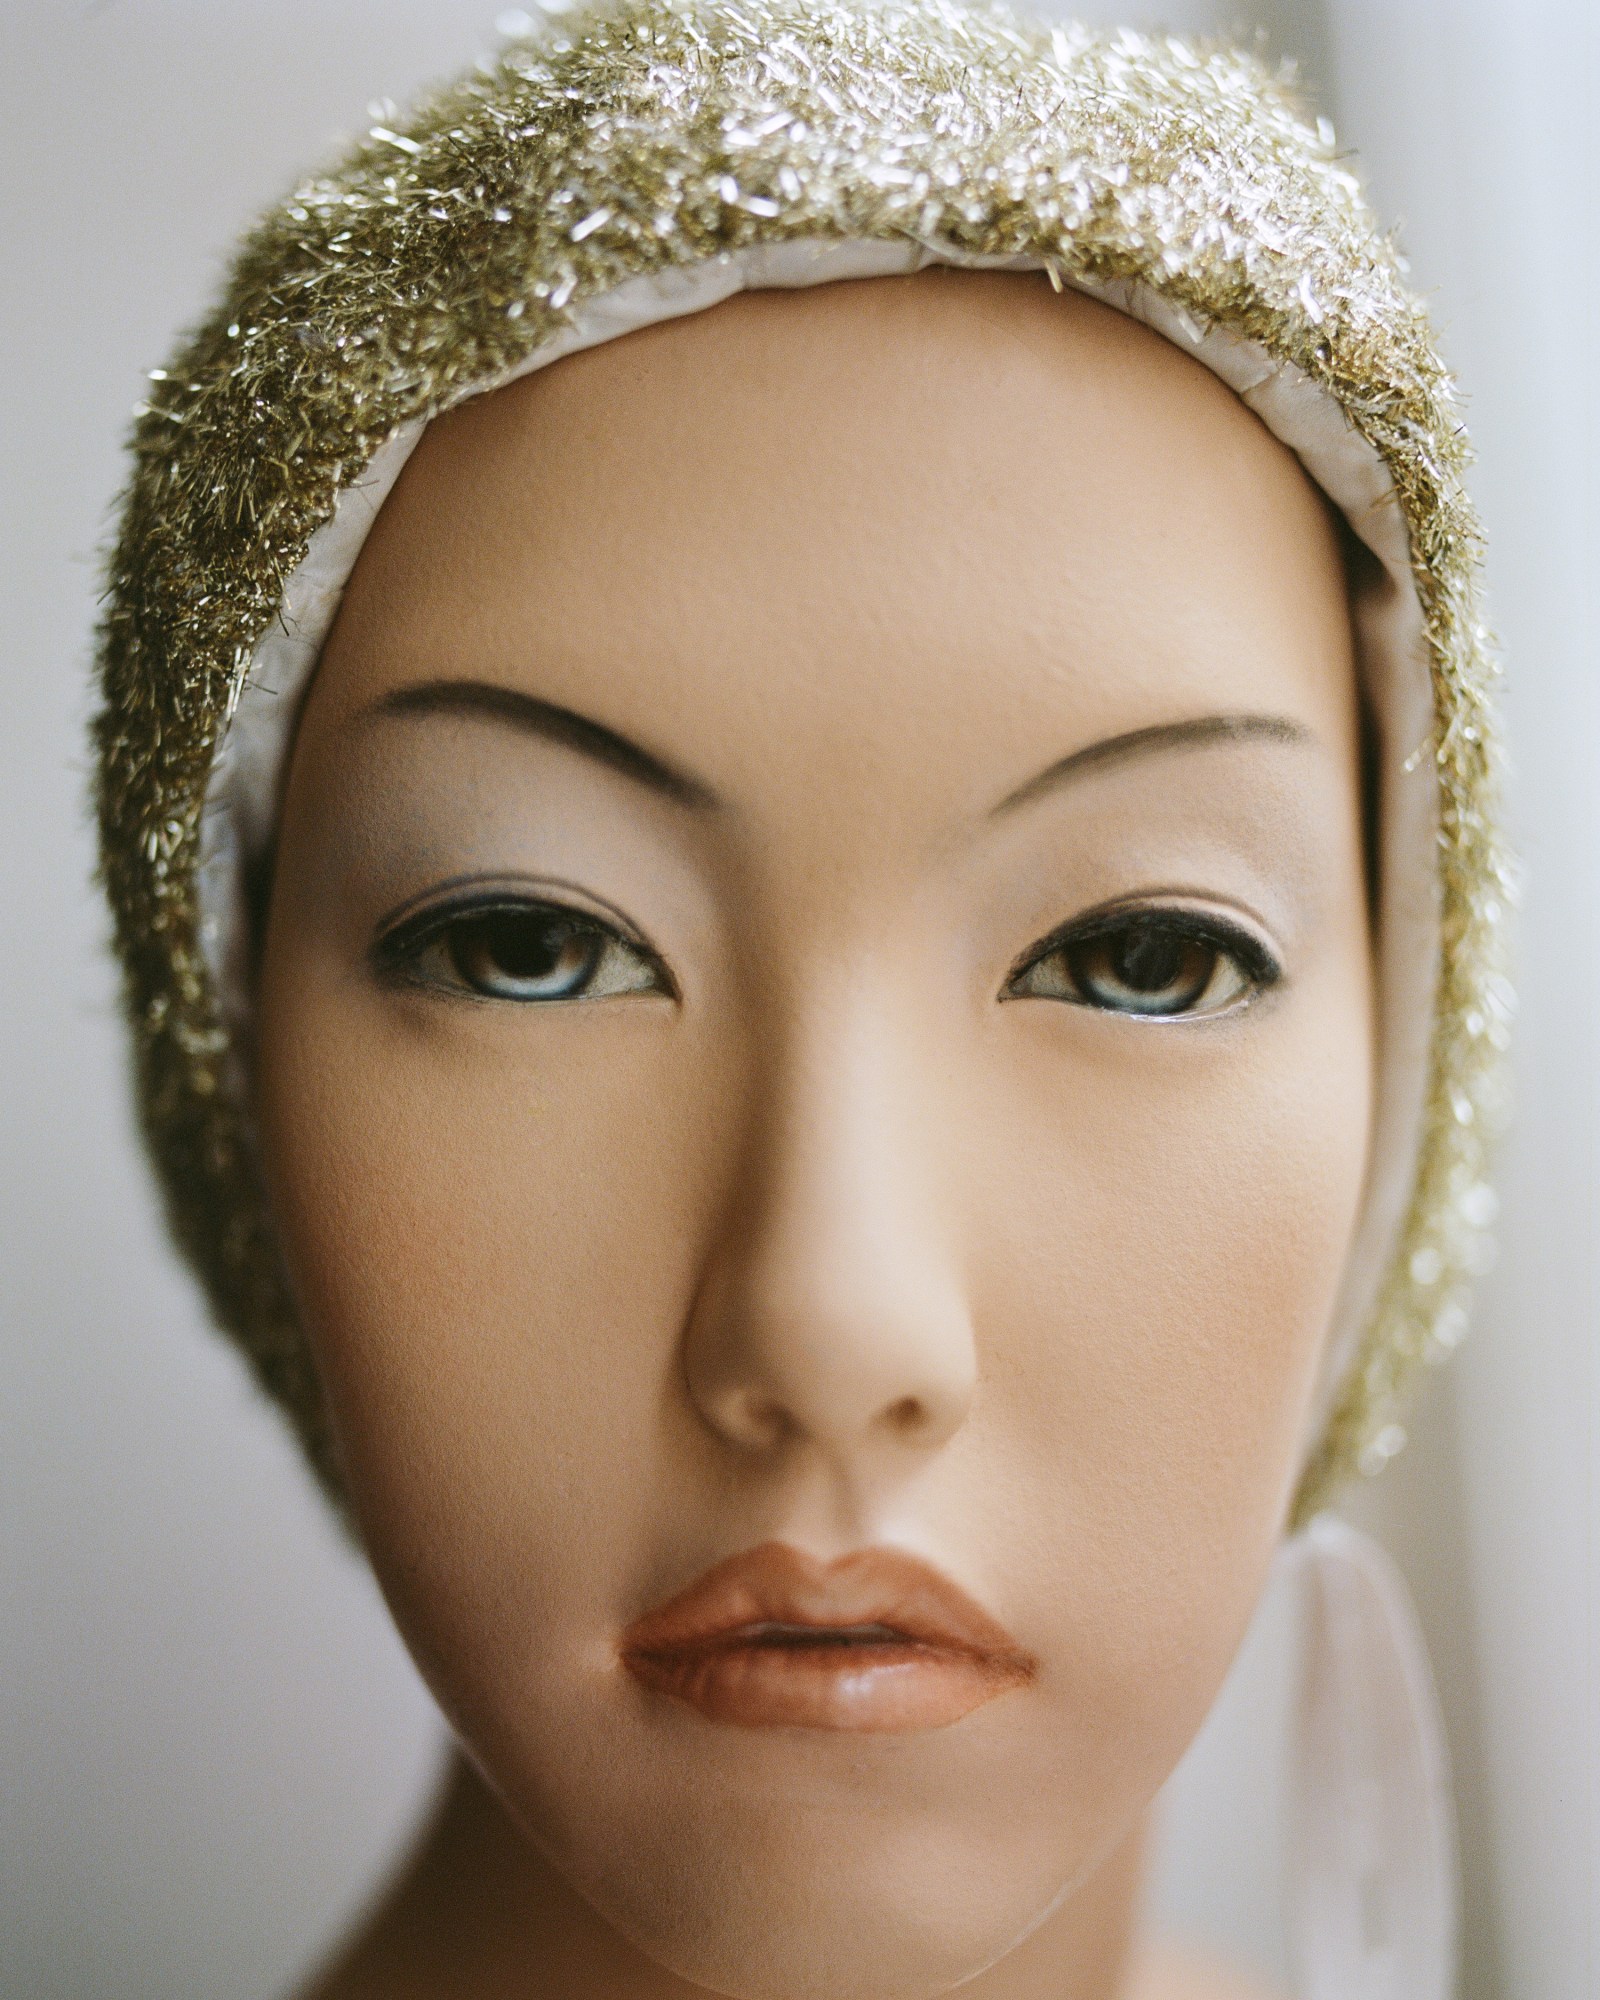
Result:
<point x="912" y="624"/>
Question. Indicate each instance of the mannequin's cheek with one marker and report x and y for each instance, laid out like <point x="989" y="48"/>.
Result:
<point x="1162" y="1235"/>
<point x="492" y="1228"/>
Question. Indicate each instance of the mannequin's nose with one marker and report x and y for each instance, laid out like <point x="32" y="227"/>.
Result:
<point x="831" y="1312"/>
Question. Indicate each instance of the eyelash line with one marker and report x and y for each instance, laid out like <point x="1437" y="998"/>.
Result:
<point x="401" y="937"/>
<point x="1258" y="962"/>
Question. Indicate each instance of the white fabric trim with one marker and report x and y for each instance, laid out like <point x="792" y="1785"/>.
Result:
<point x="243" y="793"/>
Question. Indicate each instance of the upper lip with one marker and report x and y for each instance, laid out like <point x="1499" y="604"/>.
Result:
<point x="777" y="1593"/>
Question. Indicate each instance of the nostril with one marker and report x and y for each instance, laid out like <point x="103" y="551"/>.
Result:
<point x="905" y="1416"/>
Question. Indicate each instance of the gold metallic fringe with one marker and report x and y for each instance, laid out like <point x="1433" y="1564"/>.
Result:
<point x="450" y="245"/>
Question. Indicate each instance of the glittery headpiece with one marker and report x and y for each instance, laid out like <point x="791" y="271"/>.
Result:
<point x="649" y="161"/>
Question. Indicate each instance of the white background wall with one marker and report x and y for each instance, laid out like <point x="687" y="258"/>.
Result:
<point x="210" y="1742"/>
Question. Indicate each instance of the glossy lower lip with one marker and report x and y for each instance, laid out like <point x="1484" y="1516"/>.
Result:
<point x="875" y="1640"/>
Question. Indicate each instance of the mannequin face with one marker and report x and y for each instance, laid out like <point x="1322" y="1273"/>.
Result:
<point x="816" y="1000"/>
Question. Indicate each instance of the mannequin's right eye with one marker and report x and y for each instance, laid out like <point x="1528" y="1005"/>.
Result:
<point x="1153" y="962"/>
<point x="523" y="951"/>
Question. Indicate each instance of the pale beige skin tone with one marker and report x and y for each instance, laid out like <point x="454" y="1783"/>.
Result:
<point x="1031" y="1288"/>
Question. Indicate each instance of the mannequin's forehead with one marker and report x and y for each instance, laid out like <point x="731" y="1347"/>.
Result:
<point x="956" y="508"/>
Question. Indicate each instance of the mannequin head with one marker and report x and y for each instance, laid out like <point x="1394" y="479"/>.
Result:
<point x="817" y="991"/>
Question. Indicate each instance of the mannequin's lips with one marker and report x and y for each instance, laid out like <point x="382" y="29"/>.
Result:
<point x="875" y="1640"/>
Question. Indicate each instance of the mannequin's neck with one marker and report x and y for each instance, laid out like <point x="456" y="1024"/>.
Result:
<point x="479" y="1913"/>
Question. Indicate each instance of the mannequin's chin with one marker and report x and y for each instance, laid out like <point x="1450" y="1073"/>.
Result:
<point x="823" y="1941"/>
<point x="866" y="1912"/>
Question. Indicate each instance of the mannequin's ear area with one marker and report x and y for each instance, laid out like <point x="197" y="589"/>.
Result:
<point x="259" y="872"/>
<point x="256" y="881"/>
<point x="1371" y="812"/>
<point x="1366" y="582"/>
<point x="255" y="900"/>
<point x="290" y="1367"/>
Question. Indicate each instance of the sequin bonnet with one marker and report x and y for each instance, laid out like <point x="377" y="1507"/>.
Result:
<point x="648" y="160"/>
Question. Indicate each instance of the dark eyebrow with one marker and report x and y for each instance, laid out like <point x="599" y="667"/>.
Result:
<point x="557" y="725"/>
<point x="1207" y="729"/>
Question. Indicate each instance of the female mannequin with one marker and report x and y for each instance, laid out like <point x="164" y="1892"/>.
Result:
<point x="732" y="1261"/>
<point x="813" y="1053"/>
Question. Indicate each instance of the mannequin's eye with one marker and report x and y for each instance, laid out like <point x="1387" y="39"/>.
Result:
<point x="522" y="951"/>
<point x="1163" y="964"/>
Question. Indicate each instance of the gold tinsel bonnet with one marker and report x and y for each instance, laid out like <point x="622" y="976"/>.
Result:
<point x="638" y="145"/>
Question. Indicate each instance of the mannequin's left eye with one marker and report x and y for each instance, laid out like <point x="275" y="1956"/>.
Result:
<point x="520" y="951"/>
<point x="1160" y="964"/>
